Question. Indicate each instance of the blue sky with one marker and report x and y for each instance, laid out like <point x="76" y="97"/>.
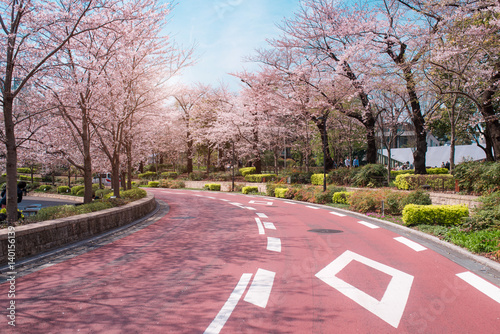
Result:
<point x="225" y="31"/>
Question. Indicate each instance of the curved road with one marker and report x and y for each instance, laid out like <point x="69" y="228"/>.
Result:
<point x="227" y="263"/>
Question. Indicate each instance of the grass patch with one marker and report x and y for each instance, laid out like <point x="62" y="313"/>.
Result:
<point x="63" y="211"/>
<point x="483" y="241"/>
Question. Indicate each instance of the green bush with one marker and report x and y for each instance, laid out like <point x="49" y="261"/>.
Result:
<point x="484" y="241"/>
<point x="434" y="214"/>
<point x="76" y="189"/>
<point x="366" y="201"/>
<point x="371" y="175"/>
<point x="317" y="179"/>
<point x="247" y="171"/>
<point x="148" y="176"/>
<point x="280" y="192"/>
<point x="478" y="177"/>
<point x="63" y="190"/>
<point x="55" y="212"/>
<point x="153" y="184"/>
<point x="299" y="177"/>
<point x="170" y="175"/>
<point x="418" y="197"/>
<point x="250" y="189"/>
<point x="395" y="173"/>
<point x="437" y="170"/>
<point x="341" y="197"/>
<point x="103" y="192"/>
<point x="24" y="170"/>
<point x="260" y="177"/>
<point x="196" y="176"/>
<point x="133" y="194"/>
<point x="28" y="178"/>
<point x="43" y="188"/>
<point x="270" y="189"/>
<point x="342" y="176"/>
<point x="81" y="192"/>
<point x="487" y="214"/>
<point x="212" y="186"/>
<point x="436" y="182"/>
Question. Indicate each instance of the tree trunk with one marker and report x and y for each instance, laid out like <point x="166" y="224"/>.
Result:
<point x="492" y="125"/>
<point x="128" y="148"/>
<point x="209" y="156"/>
<point x="327" y="157"/>
<point x="11" y="163"/>
<point x="115" y="174"/>
<point x="189" y="155"/>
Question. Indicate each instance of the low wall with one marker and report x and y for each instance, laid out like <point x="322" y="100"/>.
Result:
<point x="452" y="199"/>
<point x="40" y="237"/>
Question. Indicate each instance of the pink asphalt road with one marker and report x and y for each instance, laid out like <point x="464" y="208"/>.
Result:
<point x="239" y="264"/>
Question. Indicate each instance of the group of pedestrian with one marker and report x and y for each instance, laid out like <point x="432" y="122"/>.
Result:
<point x="355" y="162"/>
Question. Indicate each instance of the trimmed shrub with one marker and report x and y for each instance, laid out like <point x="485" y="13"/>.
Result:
<point x="133" y="194"/>
<point x="24" y="170"/>
<point x="148" y="176"/>
<point x="76" y="189"/>
<point x="436" y="182"/>
<point x="437" y="170"/>
<point x="478" y="177"/>
<point x="170" y="175"/>
<point x="341" y="197"/>
<point x="250" y="189"/>
<point x="418" y="197"/>
<point x="260" y="177"/>
<point x="153" y="184"/>
<point x="317" y="179"/>
<point x="299" y="177"/>
<point x="280" y="192"/>
<point x="434" y="214"/>
<point x="103" y="192"/>
<point x="366" y="201"/>
<point x="342" y="176"/>
<point x="395" y="173"/>
<point x="247" y="171"/>
<point x="212" y="186"/>
<point x="63" y="190"/>
<point x="81" y="192"/>
<point x="44" y="188"/>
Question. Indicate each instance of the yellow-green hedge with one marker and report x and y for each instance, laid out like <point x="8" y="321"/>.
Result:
<point x="412" y="182"/>
<point x="317" y="179"/>
<point x="212" y="186"/>
<point x="247" y="171"/>
<point x="280" y="192"/>
<point x="434" y="214"/>
<point x="341" y="197"/>
<point x="250" y="189"/>
<point x="260" y="177"/>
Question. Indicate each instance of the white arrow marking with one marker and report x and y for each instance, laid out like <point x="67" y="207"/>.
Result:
<point x="482" y="285"/>
<point x="392" y="305"/>
<point x="261" y="287"/>
<point x="413" y="245"/>
<point x="226" y="310"/>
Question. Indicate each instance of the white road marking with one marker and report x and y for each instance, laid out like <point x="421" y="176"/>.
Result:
<point x="312" y="207"/>
<point x="260" y="290"/>
<point x="225" y="200"/>
<point x="237" y="204"/>
<point x="198" y="195"/>
<point x="412" y="244"/>
<point x="260" y="227"/>
<point x="372" y="226"/>
<point x="291" y="203"/>
<point x="228" y="308"/>
<point x="482" y="285"/>
<point x="261" y="202"/>
<point x="269" y="226"/>
<point x="211" y="197"/>
<point x="337" y="214"/>
<point x="274" y="244"/>
<point x="262" y="215"/>
<point x="250" y="208"/>
<point x="392" y="305"/>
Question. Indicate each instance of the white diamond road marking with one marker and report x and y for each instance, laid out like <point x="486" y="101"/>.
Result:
<point x="262" y="215"/>
<point x="259" y="226"/>
<point x="274" y="244"/>
<point x="482" y="285"/>
<point x="412" y="244"/>
<point x="372" y="226"/>
<point x="312" y="207"/>
<point x="226" y="310"/>
<point x="269" y="226"/>
<point x="261" y="203"/>
<point x="337" y="214"/>
<point x="392" y="305"/>
<point x="260" y="290"/>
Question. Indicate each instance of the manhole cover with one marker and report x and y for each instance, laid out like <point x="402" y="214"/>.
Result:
<point x="322" y="230"/>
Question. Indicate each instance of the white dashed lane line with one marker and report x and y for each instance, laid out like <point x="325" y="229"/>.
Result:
<point x="312" y="207"/>
<point x="262" y="215"/>
<point x="274" y="244"/>
<point x="482" y="285"/>
<point x="372" y="226"/>
<point x="260" y="226"/>
<point x="337" y="214"/>
<point x="413" y="245"/>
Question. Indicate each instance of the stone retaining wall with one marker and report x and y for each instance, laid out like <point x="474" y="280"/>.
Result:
<point x="40" y="237"/>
